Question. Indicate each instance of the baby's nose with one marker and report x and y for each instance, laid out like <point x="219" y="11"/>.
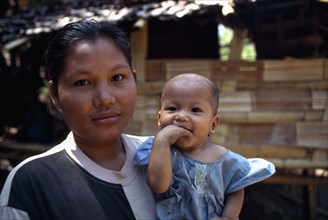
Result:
<point x="181" y="116"/>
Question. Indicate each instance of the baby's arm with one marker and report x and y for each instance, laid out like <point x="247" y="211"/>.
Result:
<point x="233" y="205"/>
<point x="159" y="174"/>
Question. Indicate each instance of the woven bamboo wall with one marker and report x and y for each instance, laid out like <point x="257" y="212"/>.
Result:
<point x="270" y="102"/>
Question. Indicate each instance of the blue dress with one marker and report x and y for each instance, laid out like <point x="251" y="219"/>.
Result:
<point x="198" y="189"/>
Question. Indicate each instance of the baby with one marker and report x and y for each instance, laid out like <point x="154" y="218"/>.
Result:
<point x="191" y="177"/>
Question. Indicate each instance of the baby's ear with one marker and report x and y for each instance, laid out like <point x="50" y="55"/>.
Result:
<point x="158" y="120"/>
<point x="215" y="123"/>
<point x="54" y="95"/>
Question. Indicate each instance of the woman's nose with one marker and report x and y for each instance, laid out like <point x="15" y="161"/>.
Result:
<point x="104" y="96"/>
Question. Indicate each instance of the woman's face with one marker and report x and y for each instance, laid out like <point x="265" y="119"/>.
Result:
<point x="96" y="91"/>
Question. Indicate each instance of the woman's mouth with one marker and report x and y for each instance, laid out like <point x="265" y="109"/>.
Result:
<point x="107" y="117"/>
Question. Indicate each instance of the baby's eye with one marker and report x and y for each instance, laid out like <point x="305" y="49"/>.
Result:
<point x="196" y="109"/>
<point x="171" y="109"/>
<point x="82" y="82"/>
<point x="118" y="77"/>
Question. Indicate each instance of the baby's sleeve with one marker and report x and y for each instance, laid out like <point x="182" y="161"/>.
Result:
<point x="142" y="155"/>
<point x="248" y="172"/>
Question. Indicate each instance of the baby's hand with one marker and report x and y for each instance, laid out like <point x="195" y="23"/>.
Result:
<point x="171" y="133"/>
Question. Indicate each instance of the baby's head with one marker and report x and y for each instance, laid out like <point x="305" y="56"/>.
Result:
<point x="190" y="101"/>
<point x="191" y="81"/>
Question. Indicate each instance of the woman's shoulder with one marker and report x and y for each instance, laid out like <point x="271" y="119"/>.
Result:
<point x="32" y="164"/>
<point x="32" y="169"/>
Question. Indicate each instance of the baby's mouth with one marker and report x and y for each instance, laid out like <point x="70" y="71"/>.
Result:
<point x="184" y="127"/>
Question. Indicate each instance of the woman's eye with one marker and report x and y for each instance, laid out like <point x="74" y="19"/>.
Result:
<point x="117" y="78"/>
<point x="195" y="110"/>
<point x="82" y="83"/>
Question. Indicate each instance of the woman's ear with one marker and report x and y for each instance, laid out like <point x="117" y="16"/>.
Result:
<point x="134" y="72"/>
<point x="158" y="120"/>
<point x="215" y="123"/>
<point x="54" y="95"/>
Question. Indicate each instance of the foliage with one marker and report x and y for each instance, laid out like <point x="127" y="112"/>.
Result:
<point x="225" y="38"/>
<point x="249" y="51"/>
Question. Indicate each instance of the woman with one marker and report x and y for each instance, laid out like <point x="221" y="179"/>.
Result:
<point x="90" y="175"/>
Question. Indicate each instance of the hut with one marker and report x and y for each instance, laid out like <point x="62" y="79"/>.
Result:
<point x="275" y="107"/>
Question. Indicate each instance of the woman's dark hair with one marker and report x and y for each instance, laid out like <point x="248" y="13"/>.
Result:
<point x="74" y="33"/>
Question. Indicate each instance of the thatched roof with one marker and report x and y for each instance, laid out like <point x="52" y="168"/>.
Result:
<point x="49" y="17"/>
<point x="266" y="20"/>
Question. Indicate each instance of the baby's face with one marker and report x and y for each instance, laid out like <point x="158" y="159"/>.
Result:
<point x="188" y="105"/>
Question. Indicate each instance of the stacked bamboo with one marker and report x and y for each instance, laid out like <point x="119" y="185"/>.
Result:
<point x="277" y="103"/>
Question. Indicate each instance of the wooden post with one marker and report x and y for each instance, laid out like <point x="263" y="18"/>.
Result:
<point x="309" y="199"/>
<point x="237" y="43"/>
<point x="139" y="49"/>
